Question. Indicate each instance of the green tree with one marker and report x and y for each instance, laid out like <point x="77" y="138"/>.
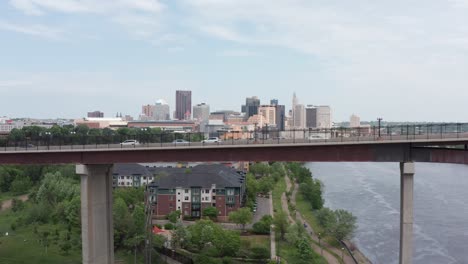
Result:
<point x="210" y="212"/>
<point x="16" y="135"/>
<point x="263" y="226"/>
<point x="180" y="236"/>
<point x="345" y="224"/>
<point x="281" y="223"/>
<point x="174" y="216"/>
<point x="139" y="218"/>
<point x="227" y="243"/>
<point x="241" y="217"/>
<point x="265" y="184"/>
<point x="326" y="218"/>
<point x="20" y="185"/>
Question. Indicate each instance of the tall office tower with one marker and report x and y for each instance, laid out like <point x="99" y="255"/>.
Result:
<point x="311" y="116"/>
<point x="201" y="112"/>
<point x="354" y="121"/>
<point x="274" y="102"/>
<point x="183" y="105"/>
<point x="299" y="116"/>
<point x="269" y="113"/>
<point x="251" y="106"/>
<point x="294" y="103"/>
<point x="280" y="118"/>
<point x="147" y="111"/>
<point x="324" y="116"/>
<point x="96" y="114"/>
<point x="161" y="111"/>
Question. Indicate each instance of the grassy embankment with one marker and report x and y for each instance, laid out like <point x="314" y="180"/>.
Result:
<point x="286" y="250"/>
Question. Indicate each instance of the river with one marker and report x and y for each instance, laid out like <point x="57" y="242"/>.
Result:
<point x="371" y="192"/>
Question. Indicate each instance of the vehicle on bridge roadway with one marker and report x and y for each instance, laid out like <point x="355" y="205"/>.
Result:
<point x="212" y="140"/>
<point x="180" y="142"/>
<point x="130" y="142"/>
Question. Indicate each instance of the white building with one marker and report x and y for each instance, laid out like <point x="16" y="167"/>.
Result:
<point x="324" y="116"/>
<point x="201" y="112"/>
<point x="161" y="111"/>
<point x="354" y="121"/>
<point x="299" y="116"/>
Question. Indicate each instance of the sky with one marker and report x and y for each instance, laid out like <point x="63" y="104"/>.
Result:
<point x="398" y="60"/>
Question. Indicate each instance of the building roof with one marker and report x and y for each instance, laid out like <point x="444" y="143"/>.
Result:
<point x="199" y="176"/>
<point x="130" y="169"/>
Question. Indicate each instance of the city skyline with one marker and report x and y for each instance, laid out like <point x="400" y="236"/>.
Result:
<point x="399" y="61"/>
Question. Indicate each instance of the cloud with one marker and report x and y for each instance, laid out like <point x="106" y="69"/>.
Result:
<point x="237" y="53"/>
<point x="141" y="17"/>
<point x="34" y="30"/>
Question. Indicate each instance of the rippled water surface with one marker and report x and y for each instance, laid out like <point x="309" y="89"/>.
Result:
<point x="371" y="192"/>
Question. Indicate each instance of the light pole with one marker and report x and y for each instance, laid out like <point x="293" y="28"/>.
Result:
<point x="320" y="245"/>
<point x="342" y="254"/>
<point x="379" y="119"/>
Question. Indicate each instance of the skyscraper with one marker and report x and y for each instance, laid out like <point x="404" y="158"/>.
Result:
<point x="274" y="101"/>
<point x="299" y="116"/>
<point x="280" y="117"/>
<point x="251" y="106"/>
<point x="183" y="105"/>
<point x="324" y="116"/>
<point x="160" y="111"/>
<point x="96" y="114"/>
<point x="311" y="116"/>
<point x="354" y="121"/>
<point x="269" y="113"/>
<point x="201" y="112"/>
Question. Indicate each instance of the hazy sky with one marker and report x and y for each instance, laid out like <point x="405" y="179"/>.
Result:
<point x="400" y="60"/>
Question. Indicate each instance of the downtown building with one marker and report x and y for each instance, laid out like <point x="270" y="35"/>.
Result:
<point x="251" y="107"/>
<point x="201" y="112"/>
<point x="318" y="116"/>
<point x="183" y="109"/>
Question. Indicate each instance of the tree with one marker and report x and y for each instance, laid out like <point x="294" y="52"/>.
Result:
<point x="227" y="243"/>
<point x="345" y="224"/>
<point x="281" y="223"/>
<point x="241" y="217"/>
<point x="312" y="191"/>
<point x="210" y="212"/>
<point x="180" y="236"/>
<point x="139" y="218"/>
<point x="263" y="226"/>
<point x="173" y="216"/>
<point x="265" y="184"/>
<point x="340" y="224"/>
<point x="20" y="185"/>
<point x="326" y="218"/>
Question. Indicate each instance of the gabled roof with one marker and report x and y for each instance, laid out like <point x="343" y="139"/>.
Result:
<point x="202" y="176"/>
<point x="130" y="169"/>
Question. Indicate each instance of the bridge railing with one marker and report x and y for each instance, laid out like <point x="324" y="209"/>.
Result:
<point x="260" y="135"/>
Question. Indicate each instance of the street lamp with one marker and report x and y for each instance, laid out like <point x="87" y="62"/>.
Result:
<point x="320" y="245"/>
<point x="379" y="119"/>
<point x="342" y="254"/>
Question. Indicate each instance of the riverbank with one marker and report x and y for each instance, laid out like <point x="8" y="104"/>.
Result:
<point x="313" y="228"/>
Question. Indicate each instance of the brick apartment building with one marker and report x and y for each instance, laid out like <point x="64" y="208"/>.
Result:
<point x="188" y="190"/>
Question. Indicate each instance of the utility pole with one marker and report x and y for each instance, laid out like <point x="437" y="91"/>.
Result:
<point x="379" y="119"/>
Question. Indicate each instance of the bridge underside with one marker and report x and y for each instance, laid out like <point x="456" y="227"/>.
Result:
<point x="305" y="153"/>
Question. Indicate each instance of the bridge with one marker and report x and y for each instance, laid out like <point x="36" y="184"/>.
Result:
<point x="94" y="164"/>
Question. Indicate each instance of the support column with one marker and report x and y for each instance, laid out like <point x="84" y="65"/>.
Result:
<point x="406" y="212"/>
<point x="97" y="229"/>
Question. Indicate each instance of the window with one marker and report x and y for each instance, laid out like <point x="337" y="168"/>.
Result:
<point x="186" y="206"/>
<point x="122" y="177"/>
<point x="207" y="191"/>
<point x="230" y="191"/>
<point x="186" y="190"/>
<point x="214" y="197"/>
<point x="128" y="177"/>
<point x="171" y="198"/>
<point x="214" y="204"/>
<point x="178" y="201"/>
<point x="144" y="177"/>
<point x="178" y="193"/>
<point x="178" y="207"/>
<point x="186" y="198"/>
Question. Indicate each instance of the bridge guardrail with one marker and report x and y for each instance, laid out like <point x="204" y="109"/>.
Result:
<point x="19" y="140"/>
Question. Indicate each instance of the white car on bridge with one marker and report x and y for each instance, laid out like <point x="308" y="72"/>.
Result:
<point x="211" y="140"/>
<point x="130" y="142"/>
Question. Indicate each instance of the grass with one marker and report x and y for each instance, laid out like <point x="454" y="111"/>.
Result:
<point x="23" y="246"/>
<point x="247" y="242"/>
<point x="280" y="188"/>
<point x="6" y="195"/>
<point x="290" y="254"/>
<point x="304" y="208"/>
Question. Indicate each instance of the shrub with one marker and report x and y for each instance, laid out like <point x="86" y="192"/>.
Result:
<point x="260" y="253"/>
<point x="169" y="226"/>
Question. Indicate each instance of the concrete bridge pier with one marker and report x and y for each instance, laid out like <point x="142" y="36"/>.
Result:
<point x="406" y="212"/>
<point x="96" y="213"/>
